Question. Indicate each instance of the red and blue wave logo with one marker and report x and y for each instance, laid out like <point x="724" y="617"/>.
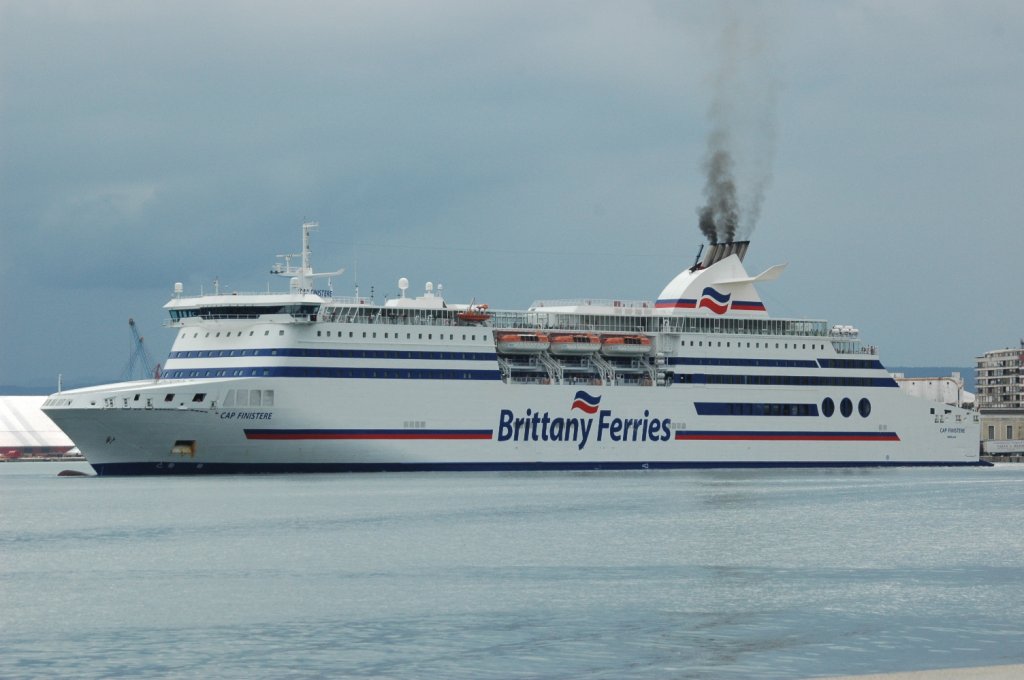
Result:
<point x="715" y="301"/>
<point x="585" y="402"/>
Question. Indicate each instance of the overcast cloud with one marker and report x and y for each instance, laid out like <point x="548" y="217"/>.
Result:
<point x="510" y="151"/>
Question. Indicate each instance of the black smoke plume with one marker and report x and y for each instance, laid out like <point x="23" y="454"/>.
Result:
<point x="721" y="214"/>
<point x="742" y="119"/>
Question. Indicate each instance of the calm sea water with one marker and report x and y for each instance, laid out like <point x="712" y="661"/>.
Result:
<point x="688" y="574"/>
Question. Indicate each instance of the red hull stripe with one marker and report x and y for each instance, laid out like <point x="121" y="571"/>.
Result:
<point x="789" y="436"/>
<point x="369" y="434"/>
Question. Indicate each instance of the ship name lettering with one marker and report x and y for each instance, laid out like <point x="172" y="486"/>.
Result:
<point x="246" y="415"/>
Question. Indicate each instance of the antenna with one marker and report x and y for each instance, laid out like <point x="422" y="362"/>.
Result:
<point x="696" y="260"/>
<point x="302" y="275"/>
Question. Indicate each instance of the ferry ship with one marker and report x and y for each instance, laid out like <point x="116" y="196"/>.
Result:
<point x="702" y="376"/>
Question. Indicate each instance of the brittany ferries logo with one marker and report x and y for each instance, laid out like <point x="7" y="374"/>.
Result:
<point x="537" y="426"/>
<point x="717" y="302"/>
<point x="585" y="402"/>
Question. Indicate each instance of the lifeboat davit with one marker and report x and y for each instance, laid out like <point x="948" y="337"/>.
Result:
<point x="626" y="345"/>
<point x="576" y="343"/>
<point x="522" y="343"/>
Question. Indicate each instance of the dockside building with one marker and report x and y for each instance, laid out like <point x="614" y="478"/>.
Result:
<point x="1000" y="400"/>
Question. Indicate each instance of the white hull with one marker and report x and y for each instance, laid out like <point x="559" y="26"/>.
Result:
<point x="371" y="425"/>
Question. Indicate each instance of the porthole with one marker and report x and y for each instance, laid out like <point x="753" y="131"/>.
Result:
<point x="846" y="407"/>
<point x="828" y="407"/>
<point x="864" y="407"/>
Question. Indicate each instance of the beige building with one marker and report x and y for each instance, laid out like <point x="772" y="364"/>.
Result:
<point x="1000" y="400"/>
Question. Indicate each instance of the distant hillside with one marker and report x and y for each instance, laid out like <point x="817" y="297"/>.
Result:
<point x="966" y="372"/>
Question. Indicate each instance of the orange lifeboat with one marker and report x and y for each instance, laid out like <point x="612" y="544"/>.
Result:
<point x="626" y="345"/>
<point x="475" y="314"/>
<point x="522" y="343"/>
<point x="575" y="343"/>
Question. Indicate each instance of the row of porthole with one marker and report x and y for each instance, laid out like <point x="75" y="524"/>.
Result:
<point x="828" y="407"/>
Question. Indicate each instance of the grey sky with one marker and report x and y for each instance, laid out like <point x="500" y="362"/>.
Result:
<point x="510" y="151"/>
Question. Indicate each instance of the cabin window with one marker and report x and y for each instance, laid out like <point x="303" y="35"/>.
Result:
<point x="828" y="407"/>
<point x="200" y="396"/>
<point x="1009" y="431"/>
<point x="318" y="334"/>
<point x="169" y="397"/>
<point x="268" y="397"/>
<point x="254" y="398"/>
<point x="864" y="408"/>
<point x="280" y="332"/>
<point x="846" y="407"/>
<point x="266" y="332"/>
<point x="991" y="430"/>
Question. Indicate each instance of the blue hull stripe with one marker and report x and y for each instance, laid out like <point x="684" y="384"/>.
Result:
<point x="332" y="372"/>
<point x="333" y="353"/>
<point x="129" y="469"/>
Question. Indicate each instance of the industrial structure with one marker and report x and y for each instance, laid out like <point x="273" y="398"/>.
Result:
<point x="944" y="389"/>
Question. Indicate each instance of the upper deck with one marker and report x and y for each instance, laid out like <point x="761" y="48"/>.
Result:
<point x="715" y="298"/>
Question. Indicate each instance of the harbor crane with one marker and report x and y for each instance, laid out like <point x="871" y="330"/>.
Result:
<point x="140" y="364"/>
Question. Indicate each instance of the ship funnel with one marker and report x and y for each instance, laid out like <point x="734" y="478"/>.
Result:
<point x="720" y="251"/>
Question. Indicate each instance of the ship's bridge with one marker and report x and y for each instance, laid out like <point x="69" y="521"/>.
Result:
<point x="303" y="307"/>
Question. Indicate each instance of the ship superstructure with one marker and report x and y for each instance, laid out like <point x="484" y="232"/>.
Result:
<point x="701" y="376"/>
